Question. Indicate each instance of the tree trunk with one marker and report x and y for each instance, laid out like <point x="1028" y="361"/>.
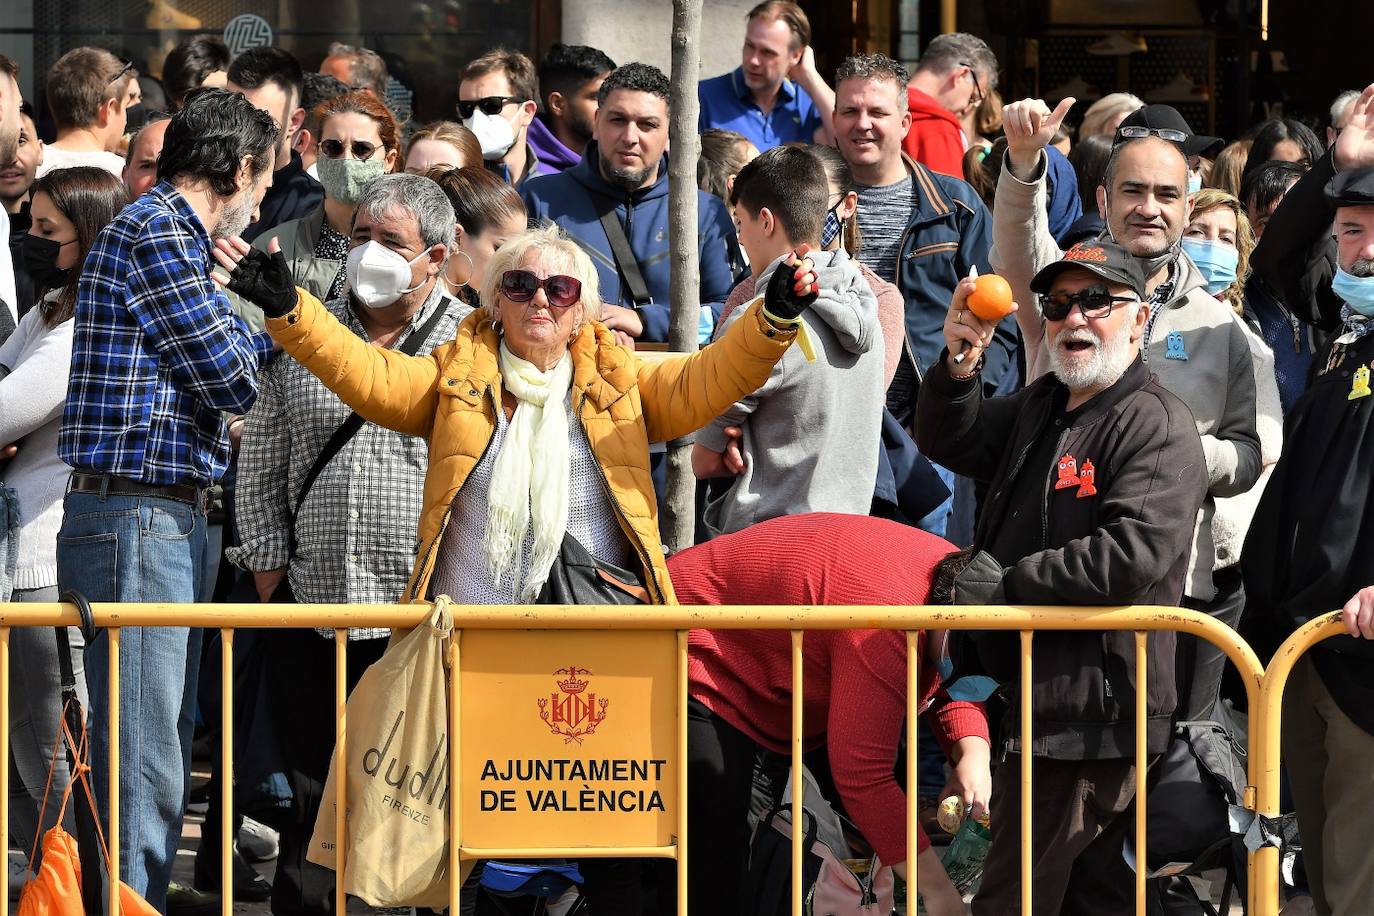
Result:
<point x="682" y="234"/>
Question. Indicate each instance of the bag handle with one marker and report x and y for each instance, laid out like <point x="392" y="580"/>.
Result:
<point x="350" y="426"/>
<point x="622" y="252"/>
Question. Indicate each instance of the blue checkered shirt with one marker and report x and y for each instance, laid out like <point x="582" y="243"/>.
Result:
<point x="157" y="353"/>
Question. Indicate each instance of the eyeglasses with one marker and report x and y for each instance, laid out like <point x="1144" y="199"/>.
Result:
<point x="521" y="285"/>
<point x="977" y="98"/>
<point x="1094" y="302"/>
<point x="1136" y="132"/>
<point x="490" y="105"/>
<point x="334" y="149"/>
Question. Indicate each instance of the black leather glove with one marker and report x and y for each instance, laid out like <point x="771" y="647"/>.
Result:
<point x="782" y="298"/>
<point x="266" y="281"/>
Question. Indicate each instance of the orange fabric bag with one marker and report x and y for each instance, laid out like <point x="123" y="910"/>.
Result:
<point x="56" y="889"/>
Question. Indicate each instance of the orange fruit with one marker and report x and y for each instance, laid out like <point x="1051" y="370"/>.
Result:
<point x="991" y="298"/>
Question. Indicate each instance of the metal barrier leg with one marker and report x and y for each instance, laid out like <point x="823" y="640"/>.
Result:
<point x="112" y="839"/>
<point x="455" y="840"/>
<point x="5" y="752"/>
<point x="913" y="794"/>
<point x="1141" y="761"/>
<point x="340" y="768"/>
<point x="1027" y="733"/>
<point x="226" y="772"/>
<point x="682" y="769"/>
<point x="798" y="784"/>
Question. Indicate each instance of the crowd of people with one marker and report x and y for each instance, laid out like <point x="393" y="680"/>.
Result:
<point x="263" y="340"/>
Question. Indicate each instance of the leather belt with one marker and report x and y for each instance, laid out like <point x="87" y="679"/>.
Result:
<point x="114" y="485"/>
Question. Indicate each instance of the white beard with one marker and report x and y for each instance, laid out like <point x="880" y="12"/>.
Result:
<point x="1094" y="369"/>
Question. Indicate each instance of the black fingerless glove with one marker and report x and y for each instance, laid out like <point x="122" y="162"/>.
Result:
<point x="781" y="299"/>
<point x="266" y="281"/>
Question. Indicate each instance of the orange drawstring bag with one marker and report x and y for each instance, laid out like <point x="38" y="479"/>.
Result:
<point x="56" y="889"/>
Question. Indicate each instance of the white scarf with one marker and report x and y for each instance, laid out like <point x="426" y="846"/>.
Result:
<point x="529" y="481"/>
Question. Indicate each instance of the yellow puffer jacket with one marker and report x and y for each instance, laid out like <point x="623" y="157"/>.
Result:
<point x="451" y="396"/>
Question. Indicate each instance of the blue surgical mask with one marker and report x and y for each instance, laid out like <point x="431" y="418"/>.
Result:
<point x="1194" y="183"/>
<point x="1356" y="292"/>
<point x="1216" y="261"/>
<point x="833" y="227"/>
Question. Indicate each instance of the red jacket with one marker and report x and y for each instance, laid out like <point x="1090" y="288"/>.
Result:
<point x="854" y="680"/>
<point x="936" y="139"/>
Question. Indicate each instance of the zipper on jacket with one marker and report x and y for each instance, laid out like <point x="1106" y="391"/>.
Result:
<point x="621" y="516"/>
<point x="448" y="514"/>
<point x="906" y="332"/>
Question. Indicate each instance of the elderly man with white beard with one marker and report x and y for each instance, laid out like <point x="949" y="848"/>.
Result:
<point x="1094" y="476"/>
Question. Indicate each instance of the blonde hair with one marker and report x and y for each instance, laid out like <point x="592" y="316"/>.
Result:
<point x="1107" y="109"/>
<point x="558" y="253"/>
<point x="1210" y="199"/>
<point x="1228" y="168"/>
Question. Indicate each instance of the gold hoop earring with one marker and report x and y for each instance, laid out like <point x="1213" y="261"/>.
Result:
<point x="472" y="268"/>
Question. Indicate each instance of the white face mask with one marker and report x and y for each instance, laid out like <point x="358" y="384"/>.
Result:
<point x="378" y="276"/>
<point x="493" y="132"/>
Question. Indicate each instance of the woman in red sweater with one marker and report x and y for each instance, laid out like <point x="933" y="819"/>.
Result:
<point x="740" y="684"/>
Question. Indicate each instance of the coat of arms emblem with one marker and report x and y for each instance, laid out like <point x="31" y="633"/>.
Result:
<point x="572" y="712"/>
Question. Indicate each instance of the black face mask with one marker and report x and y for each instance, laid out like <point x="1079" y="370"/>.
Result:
<point x="135" y="117"/>
<point x="40" y="261"/>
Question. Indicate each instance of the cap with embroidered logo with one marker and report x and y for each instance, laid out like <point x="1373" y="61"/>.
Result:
<point x="1103" y="257"/>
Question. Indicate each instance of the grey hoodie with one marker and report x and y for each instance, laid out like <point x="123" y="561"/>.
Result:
<point x="811" y="433"/>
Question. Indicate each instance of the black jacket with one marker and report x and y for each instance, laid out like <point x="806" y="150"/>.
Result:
<point x="1127" y="544"/>
<point x="1296" y="256"/>
<point x="1311" y="542"/>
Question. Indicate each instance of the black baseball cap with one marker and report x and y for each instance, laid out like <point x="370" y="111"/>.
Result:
<point x="1352" y="188"/>
<point x="1166" y="117"/>
<point x="1103" y="257"/>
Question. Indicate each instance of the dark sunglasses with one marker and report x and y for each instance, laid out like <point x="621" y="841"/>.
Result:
<point x="521" y="285"/>
<point x="1137" y="132"/>
<point x="490" y="105"/>
<point x="334" y="149"/>
<point x="1094" y="302"/>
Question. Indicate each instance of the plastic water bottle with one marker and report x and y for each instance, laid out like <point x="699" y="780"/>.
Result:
<point x="964" y="857"/>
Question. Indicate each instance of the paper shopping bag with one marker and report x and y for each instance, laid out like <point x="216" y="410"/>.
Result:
<point x="397" y="769"/>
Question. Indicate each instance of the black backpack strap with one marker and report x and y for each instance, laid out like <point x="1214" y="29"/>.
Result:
<point x="621" y="251"/>
<point x="354" y="422"/>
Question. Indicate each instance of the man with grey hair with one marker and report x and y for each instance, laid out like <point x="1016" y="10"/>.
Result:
<point x="1094" y="473"/>
<point x="954" y="75"/>
<point x="327" y="505"/>
<point x="357" y="68"/>
<point x="1340" y="114"/>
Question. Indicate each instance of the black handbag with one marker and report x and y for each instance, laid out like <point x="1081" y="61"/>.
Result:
<point x="577" y="577"/>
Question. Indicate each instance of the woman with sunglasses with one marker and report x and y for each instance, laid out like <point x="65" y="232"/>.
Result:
<point x="538" y="423"/>
<point x="70" y="207"/>
<point x="359" y="141"/>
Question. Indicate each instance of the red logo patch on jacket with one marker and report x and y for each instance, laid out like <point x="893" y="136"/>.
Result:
<point x="1068" y="473"/>
<point x="1086" y="479"/>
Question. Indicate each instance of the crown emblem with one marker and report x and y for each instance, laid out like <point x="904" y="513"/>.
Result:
<point x="572" y="683"/>
<point x="572" y="713"/>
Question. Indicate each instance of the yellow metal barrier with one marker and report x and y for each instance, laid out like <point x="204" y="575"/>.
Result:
<point x="226" y="618"/>
<point x="1267" y="746"/>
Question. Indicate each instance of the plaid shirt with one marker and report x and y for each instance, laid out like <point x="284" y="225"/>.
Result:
<point x="356" y="531"/>
<point x="157" y="353"/>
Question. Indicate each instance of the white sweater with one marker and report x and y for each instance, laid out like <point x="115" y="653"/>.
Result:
<point x="35" y="361"/>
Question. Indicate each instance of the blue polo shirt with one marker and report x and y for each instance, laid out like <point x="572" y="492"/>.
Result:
<point x="726" y="102"/>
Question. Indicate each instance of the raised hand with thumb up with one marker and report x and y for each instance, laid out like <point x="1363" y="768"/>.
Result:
<point x="1029" y="126"/>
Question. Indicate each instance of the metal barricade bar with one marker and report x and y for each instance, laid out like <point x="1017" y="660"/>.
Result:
<point x="797" y="620"/>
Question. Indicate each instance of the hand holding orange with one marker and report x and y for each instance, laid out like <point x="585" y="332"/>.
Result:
<point x="991" y="298"/>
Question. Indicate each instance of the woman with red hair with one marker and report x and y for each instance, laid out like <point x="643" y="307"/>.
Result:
<point x="359" y="141"/>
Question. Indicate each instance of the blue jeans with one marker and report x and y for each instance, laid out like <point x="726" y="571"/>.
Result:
<point x="140" y="549"/>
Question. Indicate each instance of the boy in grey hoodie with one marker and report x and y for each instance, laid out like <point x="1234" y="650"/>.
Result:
<point x="810" y="434"/>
